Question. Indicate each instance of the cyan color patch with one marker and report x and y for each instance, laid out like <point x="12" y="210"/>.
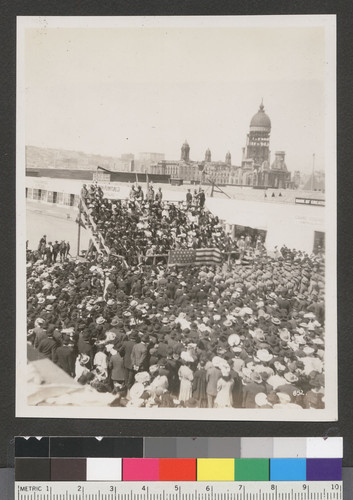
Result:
<point x="288" y="469"/>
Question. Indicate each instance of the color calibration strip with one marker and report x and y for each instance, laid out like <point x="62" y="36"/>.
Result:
<point x="178" y="469"/>
<point x="178" y="447"/>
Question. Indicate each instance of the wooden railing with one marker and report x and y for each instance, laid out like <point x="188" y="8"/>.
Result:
<point x="97" y="234"/>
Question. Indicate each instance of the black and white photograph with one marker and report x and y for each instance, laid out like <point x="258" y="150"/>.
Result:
<point x="176" y="218"/>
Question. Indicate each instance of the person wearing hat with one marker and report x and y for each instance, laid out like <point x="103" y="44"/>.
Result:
<point x="291" y="389"/>
<point x="139" y="354"/>
<point x="116" y="368"/>
<point x="128" y="345"/>
<point x="252" y="388"/>
<point x="39" y="331"/>
<point x="199" y="385"/>
<point x="47" y="346"/>
<point x="163" y="398"/>
<point x="188" y="199"/>
<point x="213" y="374"/>
<point x="64" y="356"/>
<point x="85" y="342"/>
<point x="116" y="326"/>
<point x="81" y="368"/>
<point x="225" y="384"/>
<point x="314" y="397"/>
<point x="186" y="377"/>
<point x="100" y="359"/>
<point x="84" y="192"/>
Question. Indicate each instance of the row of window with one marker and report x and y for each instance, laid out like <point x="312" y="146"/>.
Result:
<point x="67" y="199"/>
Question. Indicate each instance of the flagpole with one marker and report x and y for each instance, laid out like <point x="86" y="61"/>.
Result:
<point x="312" y="175"/>
<point x="79" y="229"/>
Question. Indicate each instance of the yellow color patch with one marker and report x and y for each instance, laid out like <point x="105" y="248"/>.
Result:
<point x="215" y="469"/>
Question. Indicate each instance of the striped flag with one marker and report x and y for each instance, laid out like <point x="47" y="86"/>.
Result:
<point x="208" y="256"/>
<point x="189" y="256"/>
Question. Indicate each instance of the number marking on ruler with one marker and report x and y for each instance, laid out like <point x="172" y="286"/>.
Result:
<point x="104" y="490"/>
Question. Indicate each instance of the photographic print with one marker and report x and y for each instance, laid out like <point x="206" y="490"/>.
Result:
<point x="176" y="218"/>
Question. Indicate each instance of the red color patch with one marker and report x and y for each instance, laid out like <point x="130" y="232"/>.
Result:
<point x="177" y="469"/>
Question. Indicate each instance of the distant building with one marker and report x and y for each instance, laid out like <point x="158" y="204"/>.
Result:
<point x="151" y="157"/>
<point x="146" y="159"/>
<point x="257" y="170"/>
<point x="254" y="171"/>
<point x="257" y="150"/>
<point x="296" y="179"/>
<point x="315" y="182"/>
<point x="127" y="157"/>
<point x="39" y="158"/>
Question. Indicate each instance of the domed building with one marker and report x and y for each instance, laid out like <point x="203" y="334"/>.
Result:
<point x="257" y="148"/>
<point x="260" y="122"/>
<point x="256" y="169"/>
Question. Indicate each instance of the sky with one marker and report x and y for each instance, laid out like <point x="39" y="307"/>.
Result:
<point x="131" y="89"/>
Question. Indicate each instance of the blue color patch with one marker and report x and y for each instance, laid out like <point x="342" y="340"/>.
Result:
<point x="288" y="469"/>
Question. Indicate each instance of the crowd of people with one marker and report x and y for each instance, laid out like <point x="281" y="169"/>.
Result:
<point x="142" y="226"/>
<point x="51" y="252"/>
<point x="229" y="336"/>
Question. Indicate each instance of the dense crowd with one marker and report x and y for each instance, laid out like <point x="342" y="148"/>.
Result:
<point x="236" y="336"/>
<point x="146" y="225"/>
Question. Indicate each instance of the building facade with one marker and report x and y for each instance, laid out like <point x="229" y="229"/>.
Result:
<point x="255" y="170"/>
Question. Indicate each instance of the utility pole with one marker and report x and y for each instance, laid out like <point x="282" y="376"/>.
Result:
<point x="313" y="172"/>
<point x="79" y="228"/>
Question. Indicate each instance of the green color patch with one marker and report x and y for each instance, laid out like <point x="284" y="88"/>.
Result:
<point x="252" y="469"/>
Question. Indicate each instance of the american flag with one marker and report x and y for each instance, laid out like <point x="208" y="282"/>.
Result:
<point x="188" y="256"/>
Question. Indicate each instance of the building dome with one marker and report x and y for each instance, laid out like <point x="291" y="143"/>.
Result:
<point x="260" y="122"/>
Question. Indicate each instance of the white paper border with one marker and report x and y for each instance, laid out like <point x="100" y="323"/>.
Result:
<point x="330" y="411"/>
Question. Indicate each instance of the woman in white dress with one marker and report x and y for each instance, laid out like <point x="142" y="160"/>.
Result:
<point x="186" y="377"/>
<point x="225" y="384"/>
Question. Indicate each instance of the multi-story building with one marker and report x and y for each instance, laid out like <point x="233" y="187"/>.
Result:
<point x="255" y="169"/>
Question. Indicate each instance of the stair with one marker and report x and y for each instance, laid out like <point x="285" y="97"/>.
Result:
<point x="95" y="235"/>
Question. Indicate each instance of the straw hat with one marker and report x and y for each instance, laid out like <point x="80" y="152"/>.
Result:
<point x="142" y="377"/>
<point x="290" y="377"/>
<point x="234" y="339"/>
<point x="217" y="361"/>
<point x="264" y="355"/>
<point x="261" y="399"/>
<point x="256" y="377"/>
<point x="284" y="335"/>
<point x="186" y="356"/>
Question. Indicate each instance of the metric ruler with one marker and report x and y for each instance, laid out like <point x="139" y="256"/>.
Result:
<point x="160" y="490"/>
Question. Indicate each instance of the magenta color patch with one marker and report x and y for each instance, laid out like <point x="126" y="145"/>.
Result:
<point x="140" y="469"/>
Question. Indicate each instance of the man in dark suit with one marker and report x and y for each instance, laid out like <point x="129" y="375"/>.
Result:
<point x="65" y="358"/>
<point x="129" y="372"/>
<point x="139" y="354"/>
<point x="47" y="346"/>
